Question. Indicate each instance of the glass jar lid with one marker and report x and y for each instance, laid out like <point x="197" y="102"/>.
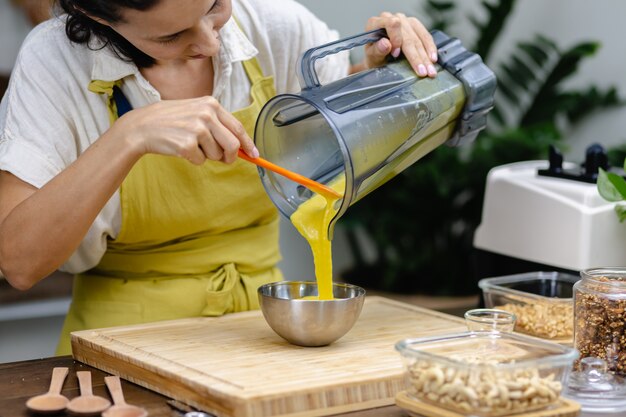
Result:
<point x="608" y="279"/>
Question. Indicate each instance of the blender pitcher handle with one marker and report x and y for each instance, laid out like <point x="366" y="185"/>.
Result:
<point x="306" y="68"/>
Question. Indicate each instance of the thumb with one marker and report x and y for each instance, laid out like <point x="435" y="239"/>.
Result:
<point x="377" y="52"/>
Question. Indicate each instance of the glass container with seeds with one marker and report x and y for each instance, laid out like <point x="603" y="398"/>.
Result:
<point x="600" y="316"/>
<point x="486" y="373"/>
<point x="542" y="302"/>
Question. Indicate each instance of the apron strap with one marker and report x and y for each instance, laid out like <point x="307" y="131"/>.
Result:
<point x="253" y="70"/>
<point x="123" y="105"/>
<point x="116" y="106"/>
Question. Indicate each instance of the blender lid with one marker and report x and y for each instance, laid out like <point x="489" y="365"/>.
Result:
<point x="478" y="81"/>
<point x="595" y="388"/>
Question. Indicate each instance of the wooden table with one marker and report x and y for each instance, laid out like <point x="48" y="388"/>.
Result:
<point x="21" y="380"/>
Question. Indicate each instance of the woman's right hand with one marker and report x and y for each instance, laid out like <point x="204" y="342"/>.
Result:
<point x="195" y="129"/>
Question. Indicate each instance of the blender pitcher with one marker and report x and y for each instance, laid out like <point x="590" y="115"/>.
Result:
<point x="372" y="125"/>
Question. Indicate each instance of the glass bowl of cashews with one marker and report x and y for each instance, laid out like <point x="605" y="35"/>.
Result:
<point x="486" y="373"/>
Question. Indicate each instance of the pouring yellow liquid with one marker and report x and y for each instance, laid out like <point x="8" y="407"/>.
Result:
<point x="312" y="219"/>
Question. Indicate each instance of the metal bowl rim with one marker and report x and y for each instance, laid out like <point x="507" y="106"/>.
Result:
<point x="360" y="290"/>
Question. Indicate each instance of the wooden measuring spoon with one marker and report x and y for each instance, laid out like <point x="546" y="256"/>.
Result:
<point x="120" y="407"/>
<point x="87" y="404"/>
<point x="52" y="401"/>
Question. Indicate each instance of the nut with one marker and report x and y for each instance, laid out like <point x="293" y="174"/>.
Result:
<point x="543" y="319"/>
<point x="487" y="389"/>
<point x="601" y="325"/>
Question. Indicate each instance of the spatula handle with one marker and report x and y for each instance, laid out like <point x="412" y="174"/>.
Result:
<point x="84" y="382"/>
<point x="58" y="377"/>
<point x="115" y="388"/>
<point x="294" y="176"/>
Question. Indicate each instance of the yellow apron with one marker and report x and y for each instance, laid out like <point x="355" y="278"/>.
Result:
<point x="194" y="240"/>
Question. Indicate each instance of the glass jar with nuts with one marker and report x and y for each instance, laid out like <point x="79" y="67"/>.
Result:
<point x="600" y="316"/>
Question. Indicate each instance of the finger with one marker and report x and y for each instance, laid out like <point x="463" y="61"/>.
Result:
<point x="425" y="37"/>
<point x="377" y="52"/>
<point x="416" y="55"/>
<point x="193" y="154"/>
<point x="228" y="143"/>
<point x="396" y="26"/>
<point x="239" y="132"/>
<point x="414" y="48"/>
<point x="393" y="25"/>
<point x="374" y="22"/>
<point x="413" y="56"/>
<point x="210" y="147"/>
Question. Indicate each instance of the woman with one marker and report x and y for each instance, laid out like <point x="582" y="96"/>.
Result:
<point x="151" y="207"/>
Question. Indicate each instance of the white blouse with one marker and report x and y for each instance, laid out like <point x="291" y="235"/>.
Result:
<point x="48" y="117"/>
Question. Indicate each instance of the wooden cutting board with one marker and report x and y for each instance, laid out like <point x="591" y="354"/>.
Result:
<point x="236" y="366"/>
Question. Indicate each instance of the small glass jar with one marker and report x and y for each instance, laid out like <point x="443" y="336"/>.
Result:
<point x="489" y="319"/>
<point x="600" y="316"/>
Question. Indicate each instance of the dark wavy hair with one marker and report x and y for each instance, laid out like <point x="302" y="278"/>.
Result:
<point x="82" y="29"/>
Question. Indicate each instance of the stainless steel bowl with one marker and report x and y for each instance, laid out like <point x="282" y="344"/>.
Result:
<point x="310" y="322"/>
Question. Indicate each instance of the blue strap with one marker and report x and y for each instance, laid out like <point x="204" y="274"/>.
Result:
<point x="123" y="105"/>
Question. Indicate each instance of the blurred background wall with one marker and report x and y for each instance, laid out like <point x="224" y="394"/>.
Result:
<point x="14" y="26"/>
<point x="565" y="21"/>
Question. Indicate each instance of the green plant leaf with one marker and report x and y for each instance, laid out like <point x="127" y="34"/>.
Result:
<point x="611" y="186"/>
<point x="549" y="108"/>
<point x="439" y="13"/>
<point x="497" y="15"/>
<point x="618" y="182"/>
<point x="547" y="97"/>
<point x="497" y="116"/>
<point x="538" y="55"/>
<point x="546" y="42"/>
<point x="505" y="87"/>
<point x="441" y="6"/>
<point x="593" y="98"/>
<point x="620" y="209"/>
<point x="524" y="68"/>
<point x="567" y="65"/>
<point x="617" y="154"/>
<point x="517" y="77"/>
<point x="521" y="78"/>
<point x="523" y="74"/>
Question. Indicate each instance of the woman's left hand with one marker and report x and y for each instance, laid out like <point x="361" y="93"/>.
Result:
<point x="407" y="35"/>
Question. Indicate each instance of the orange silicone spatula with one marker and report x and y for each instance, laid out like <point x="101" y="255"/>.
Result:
<point x="300" y="179"/>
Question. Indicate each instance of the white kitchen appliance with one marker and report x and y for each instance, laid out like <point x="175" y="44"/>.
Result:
<point x="549" y="213"/>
